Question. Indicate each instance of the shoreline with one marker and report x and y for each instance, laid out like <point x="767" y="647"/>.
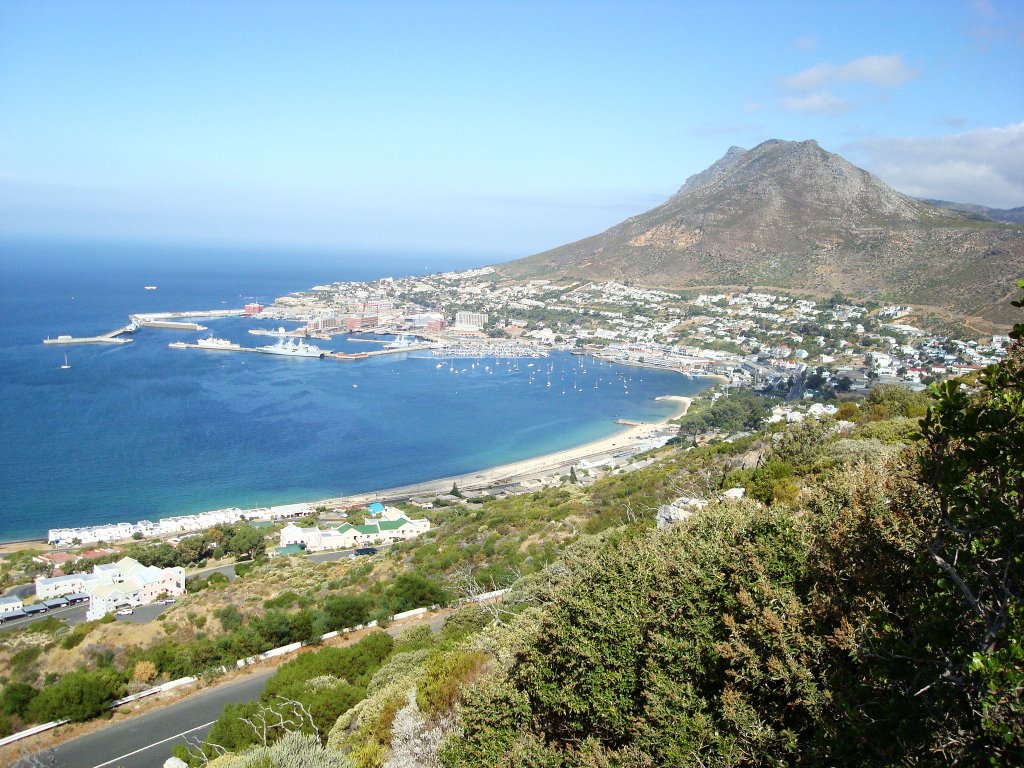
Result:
<point x="517" y="471"/>
<point x="501" y="474"/>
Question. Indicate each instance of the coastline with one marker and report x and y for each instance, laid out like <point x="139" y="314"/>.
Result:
<point x="517" y="471"/>
<point x="511" y="472"/>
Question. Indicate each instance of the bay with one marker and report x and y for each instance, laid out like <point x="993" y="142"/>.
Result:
<point x="141" y="431"/>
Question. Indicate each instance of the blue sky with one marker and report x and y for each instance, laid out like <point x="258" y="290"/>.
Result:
<point x="499" y="128"/>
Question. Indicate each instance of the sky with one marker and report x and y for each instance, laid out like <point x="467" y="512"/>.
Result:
<point x="498" y="128"/>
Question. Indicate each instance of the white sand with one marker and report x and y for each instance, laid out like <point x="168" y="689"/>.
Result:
<point x="518" y="470"/>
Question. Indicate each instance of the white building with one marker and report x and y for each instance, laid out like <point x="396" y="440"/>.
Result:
<point x="469" y="321"/>
<point x="113" y="585"/>
<point x="10" y="604"/>
<point x="392" y="526"/>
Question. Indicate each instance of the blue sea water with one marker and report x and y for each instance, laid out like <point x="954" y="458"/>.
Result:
<point x="141" y="431"/>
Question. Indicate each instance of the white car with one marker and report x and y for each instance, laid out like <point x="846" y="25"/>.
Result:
<point x="166" y="601"/>
<point x="126" y="612"/>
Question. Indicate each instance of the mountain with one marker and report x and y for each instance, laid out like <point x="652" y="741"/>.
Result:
<point x="1009" y="215"/>
<point x="792" y="216"/>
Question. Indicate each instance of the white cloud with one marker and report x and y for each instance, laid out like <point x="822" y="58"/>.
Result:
<point x="983" y="166"/>
<point x="885" y="70"/>
<point x="821" y="102"/>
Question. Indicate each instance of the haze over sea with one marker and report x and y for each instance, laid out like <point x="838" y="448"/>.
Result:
<point x="140" y="431"/>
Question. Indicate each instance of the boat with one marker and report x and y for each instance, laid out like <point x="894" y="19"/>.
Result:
<point x="295" y="348"/>
<point x="132" y="327"/>
<point x="150" y="287"/>
<point x="66" y="363"/>
<point x="178" y="345"/>
<point x="401" y="342"/>
<point x="213" y="343"/>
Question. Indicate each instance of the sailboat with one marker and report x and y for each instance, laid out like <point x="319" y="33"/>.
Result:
<point x="66" y="363"/>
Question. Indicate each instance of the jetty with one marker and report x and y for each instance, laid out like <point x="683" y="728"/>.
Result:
<point x="175" y="321"/>
<point x="115" y="336"/>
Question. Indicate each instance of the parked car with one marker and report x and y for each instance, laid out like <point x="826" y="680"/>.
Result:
<point x="166" y="601"/>
<point x="366" y="551"/>
<point x="126" y="612"/>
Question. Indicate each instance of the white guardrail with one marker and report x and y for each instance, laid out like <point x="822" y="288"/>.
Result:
<point x="272" y="653"/>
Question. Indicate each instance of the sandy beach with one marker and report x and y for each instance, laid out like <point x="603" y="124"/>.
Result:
<point x="517" y="471"/>
<point x="527" y="468"/>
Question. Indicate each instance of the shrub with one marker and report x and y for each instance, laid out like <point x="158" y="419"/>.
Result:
<point x="78" y="634"/>
<point x="230" y="618"/>
<point x="77" y="696"/>
<point x="445" y="675"/>
<point x="144" y="672"/>
<point x="16" y="698"/>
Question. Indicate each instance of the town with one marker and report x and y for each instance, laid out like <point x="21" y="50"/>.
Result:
<point x="800" y="347"/>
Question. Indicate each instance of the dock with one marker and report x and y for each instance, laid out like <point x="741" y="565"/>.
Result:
<point x="113" y="337"/>
<point x="107" y="338"/>
<point x="172" y="325"/>
<point x="175" y="321"/>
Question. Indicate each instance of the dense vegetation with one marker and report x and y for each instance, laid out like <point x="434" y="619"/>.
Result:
<point x="861" y="606"/>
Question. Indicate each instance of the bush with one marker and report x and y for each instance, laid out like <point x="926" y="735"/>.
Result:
<point x="77" y="696"/>
<point x="78" y="634"/>
<point x="230" y="618"/>
<point x="355" y="664"/>
<point x="16" y="698"/>
<point x="712" y="660"/>
<point x="445" y="676"/>
<point x="345" y="611"/>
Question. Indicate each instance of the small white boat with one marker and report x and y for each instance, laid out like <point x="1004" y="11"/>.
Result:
<point x="150" y="287"/>
<point x="66" y="363"/>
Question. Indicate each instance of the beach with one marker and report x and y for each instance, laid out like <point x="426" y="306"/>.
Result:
<point x="518" y="471"/>
<point x="513" y="472"/>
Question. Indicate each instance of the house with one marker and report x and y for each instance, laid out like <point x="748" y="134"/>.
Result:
<point x="130" y="583"/>
<point x="382" y="531"/>
<point x="126" y="582"/>
<point x="10" y="604"/>
<point x="56" y="559"/>
<point x="311" y="539"/>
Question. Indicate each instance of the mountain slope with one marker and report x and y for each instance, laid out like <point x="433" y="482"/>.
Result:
<point x="793" y="216"/>
<point x="1009" y="215"/>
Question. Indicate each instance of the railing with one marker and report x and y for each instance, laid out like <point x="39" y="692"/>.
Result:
<point x="272" y="653"/>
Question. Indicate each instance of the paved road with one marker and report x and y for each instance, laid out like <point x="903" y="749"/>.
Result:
<point x="146" y="741"/>
<point x="76" y="614"/>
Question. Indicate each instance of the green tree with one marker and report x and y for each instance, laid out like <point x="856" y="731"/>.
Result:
<point x="246" y="540"/>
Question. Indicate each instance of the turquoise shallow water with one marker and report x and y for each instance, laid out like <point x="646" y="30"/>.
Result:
<point x="143" y="431"/>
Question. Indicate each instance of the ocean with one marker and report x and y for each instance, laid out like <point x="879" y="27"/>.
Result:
<point x="141" y="431"/>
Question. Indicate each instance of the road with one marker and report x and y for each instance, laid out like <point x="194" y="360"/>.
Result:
<point x="76" y="614"/>
<point x="146" y="741"/>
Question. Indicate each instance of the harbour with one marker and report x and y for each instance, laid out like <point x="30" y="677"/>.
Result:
<point x="173" y="321"/>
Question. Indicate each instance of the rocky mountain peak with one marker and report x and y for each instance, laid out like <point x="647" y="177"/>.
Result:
<point x="794" y="216"/>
